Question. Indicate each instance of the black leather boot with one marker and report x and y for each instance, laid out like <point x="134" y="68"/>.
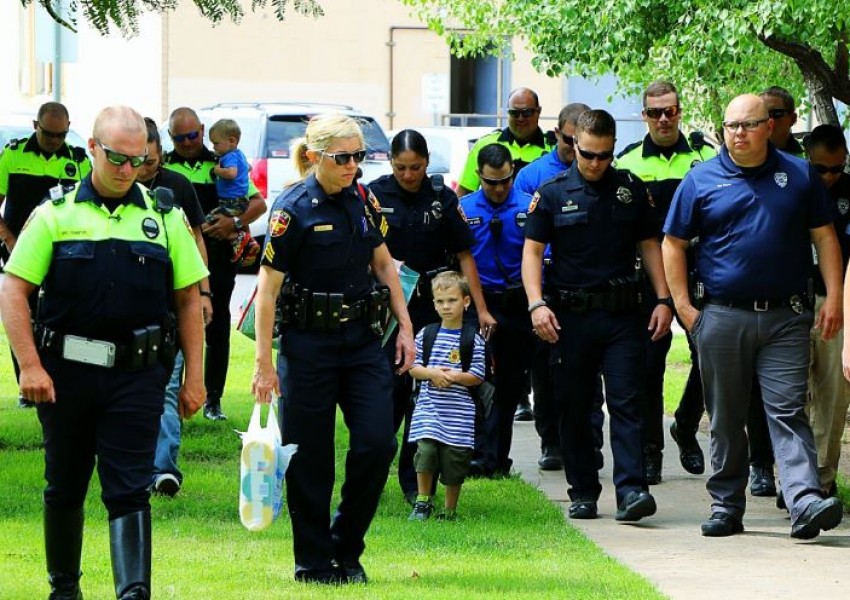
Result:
<point x="130" y="548"/>
<point x="63" y="545"/>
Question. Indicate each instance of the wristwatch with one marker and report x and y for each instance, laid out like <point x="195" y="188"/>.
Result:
<point x="237" y="222"/>
<point x="668" y="302"/>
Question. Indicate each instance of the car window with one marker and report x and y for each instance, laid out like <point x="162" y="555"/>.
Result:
<point x="10" y="132"/>
<point x="283" y="130"/>
<point x="440" y="150"/>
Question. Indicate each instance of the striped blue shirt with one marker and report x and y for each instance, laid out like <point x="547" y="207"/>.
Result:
<point x="446" y="415"/>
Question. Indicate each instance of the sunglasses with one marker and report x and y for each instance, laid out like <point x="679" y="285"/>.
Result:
<point x="343" y="158"/>
<point x="495" y="182"/>
<point x="823" y="169"/>
<point x="182" y="137"/>
<point x="52" y="135"/>
<point x="118" y="159"/>
<point x="567" y="139"/>
<point x="778" y="113"/>
<point x="667" y="111"/>
<point x="600" y="156"/>
<point x="749" y="125"/>
<point x="522" y="112"/>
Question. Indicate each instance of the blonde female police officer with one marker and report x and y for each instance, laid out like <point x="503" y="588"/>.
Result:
<point x="325" y="236"/>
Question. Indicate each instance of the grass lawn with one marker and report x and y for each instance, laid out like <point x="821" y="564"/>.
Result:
<point x="510" y="541"/>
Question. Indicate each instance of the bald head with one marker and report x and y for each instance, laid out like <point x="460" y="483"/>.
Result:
<point x="121" y="118"/>
<point x="119" y="141"/>
<point x="746" y="130"/>
<point x="523" y="113"/>
<point x="186" y="132"/>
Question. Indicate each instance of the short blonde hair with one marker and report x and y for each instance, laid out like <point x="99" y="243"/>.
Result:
<point x="321" y="131"/>
<point x="448" y="280"/>
<point x="227" y="128"/>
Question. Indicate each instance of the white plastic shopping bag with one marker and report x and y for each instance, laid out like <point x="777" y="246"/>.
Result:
<point x="263" y="466"/>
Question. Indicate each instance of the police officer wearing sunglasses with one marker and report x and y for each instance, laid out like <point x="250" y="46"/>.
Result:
<point x="594" y="217"/>
<point x="29" y="167"/>
<point x="326" y="241"/>
<point x="110" y="257"/>
<point x="496" y="215"/>
<point x="523" y="137"/>
<point x="195" y="161"/>
<point x="661" y="160"/>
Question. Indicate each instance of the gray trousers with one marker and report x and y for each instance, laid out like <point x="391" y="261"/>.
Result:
<point x="733" y="344"/>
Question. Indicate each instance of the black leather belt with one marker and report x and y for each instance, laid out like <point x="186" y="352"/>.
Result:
<point x="795" y="302"/>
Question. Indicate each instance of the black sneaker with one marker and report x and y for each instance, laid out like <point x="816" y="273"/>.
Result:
<point x="583" y="509"/>
<point x="166" y="484"/>
<point x="421" y="511"/>
<point x="690" y="454"/>
<point x="354" y="572"/>
<point x="550" y="460"/>
<point x="333" y="576"/>
<point x="635" y="506"/>
<point x="820" y="515"/>
<point x="762" y="481"/>
<point x="721" y="524"/>
<point x="523" y="413"/>
<point x="213" y="412"/>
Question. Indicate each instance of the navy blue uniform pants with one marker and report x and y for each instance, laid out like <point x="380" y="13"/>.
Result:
<point x="108" y="414"/>
<point x="217" y="357"/>
<point x="613" y="344"/>
<point x="513" y="348"/>
<point x="324" y="370"/>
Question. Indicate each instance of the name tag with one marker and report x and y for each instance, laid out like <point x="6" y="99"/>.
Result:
<point x="323" y="228"/>
<point x="569" y="208"/>
<point x="474" y="221"/>
<point x="387" y="209"/>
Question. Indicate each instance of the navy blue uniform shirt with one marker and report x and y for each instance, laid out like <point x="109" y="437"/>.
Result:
<point x="753" y="224"/>
<point x="423" y="227"/>
<point x="503" y="240"/>
<point x="593" y="227"/>
<point x="840" y="195"/>
<point x="324" y="242"/>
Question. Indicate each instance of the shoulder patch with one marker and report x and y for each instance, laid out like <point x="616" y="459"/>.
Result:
<point x="279" y="222"/>
<point x="461" y="213"/>
<point x="533" y="204"/>
<point x="373" y="200"/>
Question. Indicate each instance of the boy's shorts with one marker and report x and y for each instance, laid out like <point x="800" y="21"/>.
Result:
<point x="234" y="206"/>
<point x="451" y="461"/>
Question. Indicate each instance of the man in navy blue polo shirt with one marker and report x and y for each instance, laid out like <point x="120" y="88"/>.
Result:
<point x="755" y="211"/>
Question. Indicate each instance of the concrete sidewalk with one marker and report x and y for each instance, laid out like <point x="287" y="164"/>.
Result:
<point x="669" y="550"/>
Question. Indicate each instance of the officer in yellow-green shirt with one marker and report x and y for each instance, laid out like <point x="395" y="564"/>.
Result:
<point x="661" y="160"/>
<point x="29" y="167"/>
<point x="523" y="137"/>
<point x="111" y="257"/>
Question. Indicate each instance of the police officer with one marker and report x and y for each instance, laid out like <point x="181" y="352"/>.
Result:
<point x="756" y="211"/>
<point x="108" y="257"/>
<point x="193" y="160"/>
<point x="29" y="167"/>
<point x="781" y="109"/>
<point x="528" y="180"/>
<point x="661" y="159"/>
<point x="325" y="236"/>
<point x="427" y="231"/>
<point x="496" y="215"/>
<point x="522" y="137"/>
<point x="594" y="216"/>
<point x="167" y="477"/>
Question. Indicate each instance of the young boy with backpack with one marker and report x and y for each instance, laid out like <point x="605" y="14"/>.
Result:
<point x="450" y="360"/>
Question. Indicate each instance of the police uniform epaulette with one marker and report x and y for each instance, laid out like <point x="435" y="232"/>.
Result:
<point x="78" y="153"/>
<point x="630" y="147"/>
<point x="15" y="142"/>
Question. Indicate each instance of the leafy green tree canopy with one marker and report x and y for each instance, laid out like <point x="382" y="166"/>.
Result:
<point x="123" y="15"/>
<point x="712" y="50"/>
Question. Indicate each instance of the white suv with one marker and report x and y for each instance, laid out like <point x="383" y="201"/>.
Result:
<point x="268" y="131"/>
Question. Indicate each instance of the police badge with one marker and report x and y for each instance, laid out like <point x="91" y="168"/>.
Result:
<point x="781" y="178"/>
<point x="843" y="205"/>
<point x="624" y="195"/>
